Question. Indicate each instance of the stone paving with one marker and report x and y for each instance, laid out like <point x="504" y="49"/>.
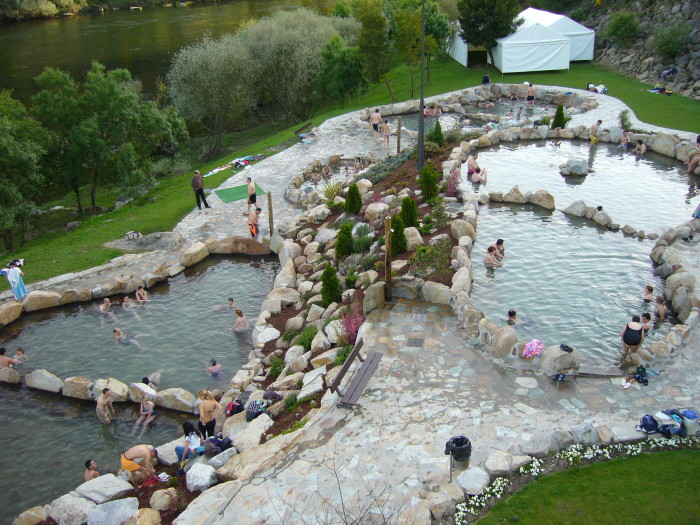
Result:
<point x="431" y="385"/>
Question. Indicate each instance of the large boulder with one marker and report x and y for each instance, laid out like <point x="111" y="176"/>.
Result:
<point x="40" y="299"/>
<point x="240" y="245"/>
<point x="553" y="360"/>
<point x="104" y="488"/>
<point x="193" y="254"/>
<point x="460" y="228"/>
<point x="77" y="387"/>
<point x="413" y="238"/>
<point x="576" y="167"/>
<point x="30" y="516"/>
<point x="176" y="399"/>
<point x="364" y="186"/>
<point x="9" y="375"/>
<point x="320" y="342"/>
<point x="247" y="464"/>
<point x="145" y="516"/>
<point x="70" y="510"/>
<point x="586" y="434"/>
<point x="208" y="504"/>
<point x="286" y="296"/>
<point x="461" y="281"/>
<point x="515" y="196"/>
<point x="201" y="477"/>
<point x="576" y="208"/>
<point x="137" y="391"/>
<point x="267" y="334"/>
<point x="503" y="341"/>
<point x="334" y="331"/>
<point x="664" y="144"/>
<point x="163" y="499"/>
<point x="113" y="512"/>
<point x="220" y="460"/>
<point x="375" y="211"/>
<point x="9" y="311"/>
<point x="166" y="451"/>
<point x="498" y="463"/>
<point x="288" y="250"/>
<point x="374" y="298"/>
<point x="324" y="235"/>
<point x="120" y="391"/>
<point x="543" y="199"/>
<point x="602" y="218"/>
<point x="436" y="293"/>
<point x="250" y="436"/>
<point x="287" y="382"/>
<point x="326" y="358"/>
<point x="287" y="276"/>
<point x="319" y="213"/>
<point x="43" y="380"/>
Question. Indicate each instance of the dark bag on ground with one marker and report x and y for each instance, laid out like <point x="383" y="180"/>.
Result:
<point x="254" y="410"/>
<point x="460" y="447"/>
<point x="272" y="396"/>
<point x="648" y="425"/>
<point x="233" y="408"/>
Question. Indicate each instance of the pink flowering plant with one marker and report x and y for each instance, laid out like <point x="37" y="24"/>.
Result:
<point x="351" y="323"/>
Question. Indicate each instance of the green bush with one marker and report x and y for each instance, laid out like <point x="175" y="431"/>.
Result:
<point x="290" y="402"/>
<point x="409" y="212"/>
<point x="440" y="213"/>
<point x="560" y="118"/>
<point x="353" y="202"/>
<point x="427" y="226"/>
<point x="428" y="181"/>
<point x="431" y="149"/>
<point x="351" y="279"/>
<point x="343" y="246"/>
<point x="306" y="337"/>
<point x="545" y="121"/>
<point x="434" y="259"/>
<point x="342" y="355"/>
<point x="398" y="238"/>
<point x="381" y="171"/>
<point x="362" y="244"/>
<point x="624" y="119"/>
<point x="289" y="335"/>
<point x="330" y="287"/>
<point x="368" y="262"/>
<point x="622" y="28"/>
<point x="362" y="230"/>
<point x="276" y="367"/>
<point x="332" y="189"/>
<point x="672" y="40"/>
<point x="436" y="135"/>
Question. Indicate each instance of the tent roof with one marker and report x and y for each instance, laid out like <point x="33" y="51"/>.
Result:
<point x="535" y="33"/>
<point x="559" y="23"/>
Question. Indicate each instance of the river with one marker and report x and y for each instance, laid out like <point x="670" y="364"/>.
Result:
<point x="141" y="41"/>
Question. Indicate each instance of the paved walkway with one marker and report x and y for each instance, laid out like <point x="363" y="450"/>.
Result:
<point x="431" y="385"/>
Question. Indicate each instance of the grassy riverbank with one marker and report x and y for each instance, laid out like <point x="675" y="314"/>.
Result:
<point x="59" y="252"/>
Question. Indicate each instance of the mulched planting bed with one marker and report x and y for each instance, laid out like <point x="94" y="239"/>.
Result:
<point x="286" y="420"/>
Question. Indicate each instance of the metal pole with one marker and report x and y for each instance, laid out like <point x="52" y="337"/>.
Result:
<point x="387" y="258"/>
<point x="421" y="118"/>
<point x="398" y="137"/>
<point x="269" y="208"/>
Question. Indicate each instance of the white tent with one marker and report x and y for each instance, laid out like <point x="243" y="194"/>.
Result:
<point x="582" y="38"/>
<point x="459" y="50"/>
<point x="532" y="48"/>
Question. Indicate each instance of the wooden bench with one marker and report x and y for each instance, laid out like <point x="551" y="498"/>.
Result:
<point x="300" y="132"/>
<point x="361" y="378"/>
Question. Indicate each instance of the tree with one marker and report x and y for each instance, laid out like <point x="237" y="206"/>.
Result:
<point x="344" y="245"/>
<point x="560" y="118"/>
<point x="398" y="237"/>
<point x="341" y="71"/>
<point x="483" y="22"/>
<point x="436" y="135"/>
<point x="210" y="85"/>
<point x="428" y="181"/>
<point x="409" y="212"/>
<point x="111" y="133"/>
<point x="353" y="202"/>
<point x="373" y="42"/>
<point x="341" y="9"/>
<point x="23" y="143"/>
<point x="330" y="286"/>
<point x="408" y="39"/>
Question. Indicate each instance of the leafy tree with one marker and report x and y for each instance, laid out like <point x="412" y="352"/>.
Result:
<point x="436" y="135"/>
<point x="409" y="212"/>
<point x="431" y="48"/>
<point x="111" y="133"/>
<point x="408" y="39"/>
<point x="353" y="203"/>
<point x="330" y="286"/>
<point x="672" y="40"/>
<point x="341" y="71"/>
<point x="341" y="9"/>
<point x="23" y="142"/>
<point x="483" y="22"/>
<point x="398" y="237"/>
<point x="344" y="245"/>
<point x="428" y="181"/>
<point x="373" y="42"/>
<point x="622" y="28"/>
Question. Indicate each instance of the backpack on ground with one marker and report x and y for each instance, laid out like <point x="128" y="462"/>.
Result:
<point x="234" y="407"/>
<point x="648" y="425"/>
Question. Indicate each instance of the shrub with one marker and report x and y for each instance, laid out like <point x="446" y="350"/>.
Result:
<point x="398" y="238"/>
<point x="306" y="296"/>
<point x="289" y="335"/>
<point x="276" y="367"/>
<point x="332" y="189"/>
<point x="330" y="287"/>
<point x="560" y="118"/>
<point x="454" y="135"/>
<point x="340" y="222"/>
<point x="343" y="245"/>
<point x="368" y="262"/>
<point x="353" y="202"/>
<point x="436" y="135"/>
<point x="409" y="212"/>
<point x="545" y="121"/>
<point x="622" y="28"/>
<point x="351" y="279"/>
<point x="434" y="259"/>
<point x="290" y="402"/>
<point x="380" y="240"/>
<point x="362" y="244"/>
<point x="624" y="119"/>
<point x="440" y="213"/>
<point x="431" y="149"/>
<point x="362" y="230"/>
<point x="672" y="40"/>
<point x="376" y="197"/>
<point x="307" y="336"/>
<point x="428" y="181"/>
<point x="381" y="171"/>
<point x="351" y="323"/>
<point x="342" y="355"/>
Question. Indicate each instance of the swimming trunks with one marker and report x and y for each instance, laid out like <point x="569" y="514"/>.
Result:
<point x="632" y="337"/>
<point x="129" y="464"/>
<point x="252" y="199"/>
<point x="593" y="138"/>
<point x="253" y="230"/>
<point x="530" y="98"/>
<point x="375" y="127"/>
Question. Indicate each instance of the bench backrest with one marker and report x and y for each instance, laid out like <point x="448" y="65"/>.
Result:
<point x="346" y="366"/>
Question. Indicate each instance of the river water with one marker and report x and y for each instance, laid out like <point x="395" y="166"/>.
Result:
<point x="142" y="41"/>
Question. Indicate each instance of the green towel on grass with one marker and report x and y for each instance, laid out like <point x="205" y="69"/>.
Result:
<point x="237" y="193"/>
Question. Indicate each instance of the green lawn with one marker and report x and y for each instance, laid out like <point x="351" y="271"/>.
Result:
<point x="55" y="253"/>
<point x="661" y="487"/>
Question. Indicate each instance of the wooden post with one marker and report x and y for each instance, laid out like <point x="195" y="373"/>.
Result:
<point x="398" y="136"/>
<point x="269" y="209"/>
<point x="387" y="258"/>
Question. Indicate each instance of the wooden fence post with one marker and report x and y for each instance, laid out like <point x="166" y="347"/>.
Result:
<point x="269" y="209"/>
<point x="398" y="137"/>
<point x="387" y="258"/>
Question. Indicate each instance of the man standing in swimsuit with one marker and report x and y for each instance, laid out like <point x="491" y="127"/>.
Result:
<point x="594" y="132"/>
<point x="137" y="461"/>
<point x="104" y="405"/>
<point x="252" y="197"/>
<point x="375" y="119"/>
<point x="254" y="223"/>
<point x="530" y="99"/>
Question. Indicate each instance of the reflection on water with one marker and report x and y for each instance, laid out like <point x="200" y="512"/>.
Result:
<point x="652" y="193"/>
<point x="141" y="41"/>
<point x="570" y="282"/>
<point x="183" y="327"/>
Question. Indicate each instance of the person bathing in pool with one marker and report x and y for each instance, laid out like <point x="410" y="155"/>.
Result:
<point x="122" y="339"/>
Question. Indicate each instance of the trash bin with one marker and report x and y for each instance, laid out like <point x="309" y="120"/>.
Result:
<point x="460" y="448"/>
